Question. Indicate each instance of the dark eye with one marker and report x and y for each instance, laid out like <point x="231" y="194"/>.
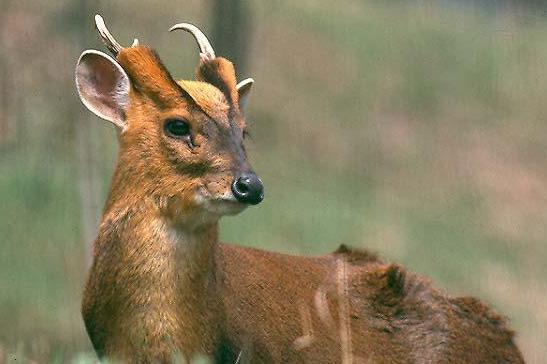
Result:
<point x="177" y="128"/>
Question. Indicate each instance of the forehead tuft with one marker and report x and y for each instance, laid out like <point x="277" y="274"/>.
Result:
<point x="148" y="75"/>
<point x="215" y="91"/>
<point x="209" y="98"/>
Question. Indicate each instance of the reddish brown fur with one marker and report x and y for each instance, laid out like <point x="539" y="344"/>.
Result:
<point x="161" y="284"/>
<point x="219" y="73"/>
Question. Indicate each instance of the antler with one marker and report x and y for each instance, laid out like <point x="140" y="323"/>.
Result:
<point x="113" y="46"/>
<point x="205" y="48"/>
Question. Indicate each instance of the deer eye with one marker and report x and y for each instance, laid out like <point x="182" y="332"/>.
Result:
<point x="177" y="128"/>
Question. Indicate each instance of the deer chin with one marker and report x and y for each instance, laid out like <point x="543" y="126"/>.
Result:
<point x="219" y="204"/>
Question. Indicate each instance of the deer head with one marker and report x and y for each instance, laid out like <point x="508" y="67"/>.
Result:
<point x="181" y="142"/>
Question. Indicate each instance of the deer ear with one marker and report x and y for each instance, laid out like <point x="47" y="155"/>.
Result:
<point x="244" y="89"/>
<point x="103" y="86"/>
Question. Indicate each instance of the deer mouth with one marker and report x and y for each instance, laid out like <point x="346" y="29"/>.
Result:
<point x="223" y="204"/>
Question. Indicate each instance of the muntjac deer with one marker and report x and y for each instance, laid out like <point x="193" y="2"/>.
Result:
<point x="163" y="287"/>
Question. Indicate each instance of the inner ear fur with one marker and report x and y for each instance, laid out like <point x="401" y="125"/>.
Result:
<point x="103" y="86"/>
<point x="243" y="90"/>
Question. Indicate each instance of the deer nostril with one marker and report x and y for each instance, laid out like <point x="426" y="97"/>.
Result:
<point x="242" y="186"/>
<point x="248" y="188"/>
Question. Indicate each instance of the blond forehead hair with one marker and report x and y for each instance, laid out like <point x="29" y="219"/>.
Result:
<point x="208" y="97"/>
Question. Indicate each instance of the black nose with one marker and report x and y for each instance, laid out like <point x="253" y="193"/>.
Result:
<point x="248" y="188"/>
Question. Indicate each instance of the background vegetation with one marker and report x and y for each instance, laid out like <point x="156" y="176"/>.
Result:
<point x="413" y="128"/>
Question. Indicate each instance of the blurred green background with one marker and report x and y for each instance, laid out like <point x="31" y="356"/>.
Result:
<point x="416" y="129"/>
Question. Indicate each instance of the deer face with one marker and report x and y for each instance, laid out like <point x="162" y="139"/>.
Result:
<point x="181" y="143"/>
<point x="192" y="151"/>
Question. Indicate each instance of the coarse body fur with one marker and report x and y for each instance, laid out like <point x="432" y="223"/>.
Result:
<point x="155" y="293"/>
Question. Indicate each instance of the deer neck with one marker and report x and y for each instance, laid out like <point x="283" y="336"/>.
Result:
<point x="156" y="281"/>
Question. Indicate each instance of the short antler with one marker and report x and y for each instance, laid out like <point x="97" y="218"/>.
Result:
<point x="205" y="48"/>
<point x="111" y="43"/>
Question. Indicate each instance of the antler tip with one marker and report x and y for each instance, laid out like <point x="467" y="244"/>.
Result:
<point x="107" y="38"/>
<point x="179" y="26"/>
<point x="205" y="48"/>
<point x="99" y="20"/>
